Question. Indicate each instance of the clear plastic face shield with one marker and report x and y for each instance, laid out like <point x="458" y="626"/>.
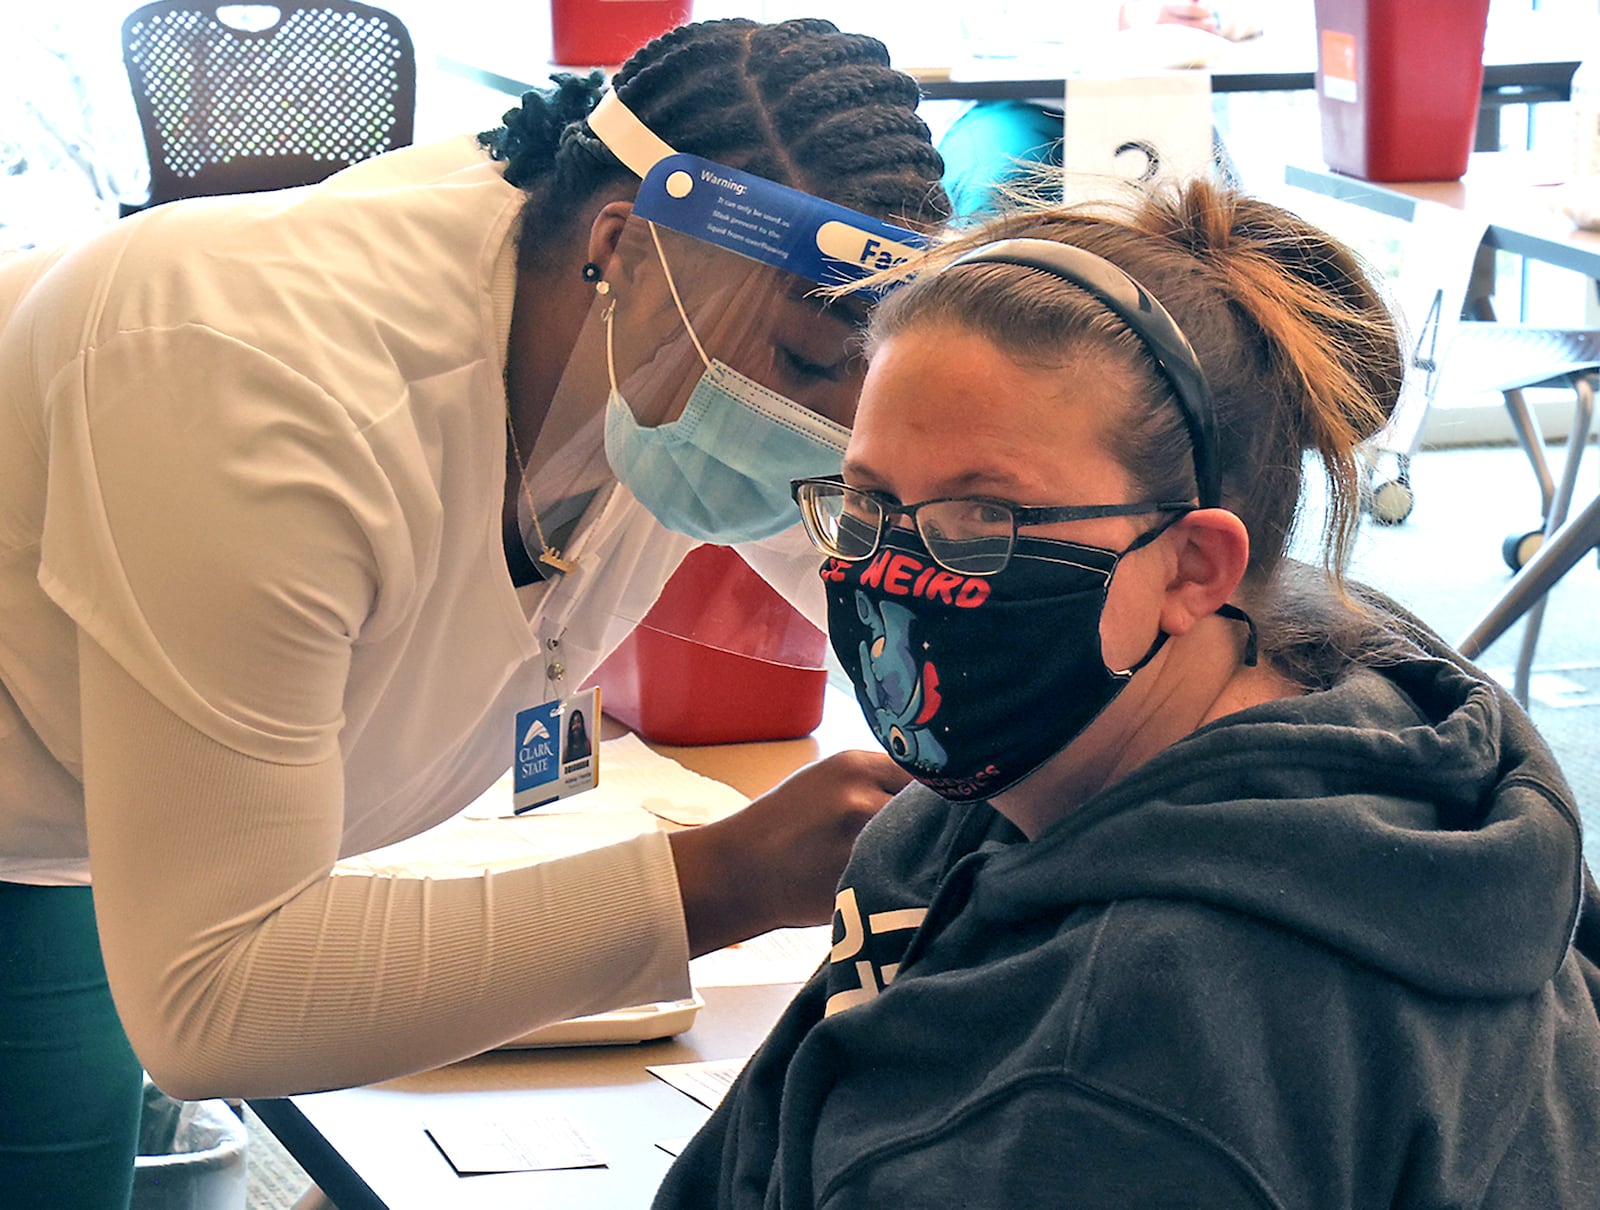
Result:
<point x="721" y="373"/>
<point x="713" y="368"/>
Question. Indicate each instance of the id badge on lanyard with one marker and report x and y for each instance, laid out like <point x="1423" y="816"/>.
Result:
<point x="557" y="750"/>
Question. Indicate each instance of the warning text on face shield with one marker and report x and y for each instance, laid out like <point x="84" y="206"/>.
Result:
<point x="740" y="222"/>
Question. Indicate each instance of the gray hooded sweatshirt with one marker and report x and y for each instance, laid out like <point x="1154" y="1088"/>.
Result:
<point x="1333" y="951"/>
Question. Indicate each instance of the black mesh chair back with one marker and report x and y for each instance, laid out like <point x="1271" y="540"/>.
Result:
<point x="239" y="98"/>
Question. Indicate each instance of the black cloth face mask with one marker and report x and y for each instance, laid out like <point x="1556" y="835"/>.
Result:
<point x="972" y="682"/>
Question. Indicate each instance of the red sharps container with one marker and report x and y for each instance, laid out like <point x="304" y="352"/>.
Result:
<point x="720" y="658"/>
<point x="1399" y="83"/>
<point x="601" y="33"/>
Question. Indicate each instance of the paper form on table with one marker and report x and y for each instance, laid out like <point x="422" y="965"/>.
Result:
<point x="707" y="1082"/>
<point x="781" y="956"/>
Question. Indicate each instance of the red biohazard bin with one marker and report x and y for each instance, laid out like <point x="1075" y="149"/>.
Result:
<point x="601" y="33"/>
<point x="720" y="658"/>
<point x="1399" y="83"/>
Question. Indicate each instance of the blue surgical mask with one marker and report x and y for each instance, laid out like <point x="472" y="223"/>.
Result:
<point x="720" y="472"/>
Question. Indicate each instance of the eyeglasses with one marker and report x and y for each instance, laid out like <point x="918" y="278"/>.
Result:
<point x="969" y="535"/>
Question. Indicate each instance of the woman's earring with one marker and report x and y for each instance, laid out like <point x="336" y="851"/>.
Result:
<point x="591" y="272"/>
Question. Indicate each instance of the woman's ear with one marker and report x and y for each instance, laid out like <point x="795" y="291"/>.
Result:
<point x="1213" y="554"/>
<point x="605" y="233"/>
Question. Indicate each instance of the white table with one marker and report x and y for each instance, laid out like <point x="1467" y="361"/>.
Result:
<point x="367" y="1150"/>
<point x="366" y="1147"/>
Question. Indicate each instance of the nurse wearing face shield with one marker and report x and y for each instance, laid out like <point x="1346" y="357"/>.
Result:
<point x="306" y="497"/>
<point x="713" y="362"/>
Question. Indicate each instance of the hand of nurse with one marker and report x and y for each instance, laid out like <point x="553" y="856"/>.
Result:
<point x="777" y="862"/>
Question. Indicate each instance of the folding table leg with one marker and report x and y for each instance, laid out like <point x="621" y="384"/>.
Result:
<point x="1554" y="559"/>
<point x="1530" y="436"/>
<point x="1556" y="515"/>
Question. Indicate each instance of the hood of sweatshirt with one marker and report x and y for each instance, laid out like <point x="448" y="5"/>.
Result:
<point x="1409" y="817"/>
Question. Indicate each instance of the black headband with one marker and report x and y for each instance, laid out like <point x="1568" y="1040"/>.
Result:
<point x="1145" y="317"/>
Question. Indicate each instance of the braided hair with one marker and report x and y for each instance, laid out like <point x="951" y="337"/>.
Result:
<point x="797" y="102"/>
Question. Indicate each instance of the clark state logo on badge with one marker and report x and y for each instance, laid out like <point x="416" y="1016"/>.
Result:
<point x="556" y="754"/>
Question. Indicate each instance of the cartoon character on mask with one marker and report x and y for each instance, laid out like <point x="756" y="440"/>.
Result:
<point x="903" y="694"/>
<point x="1020" y="672"/>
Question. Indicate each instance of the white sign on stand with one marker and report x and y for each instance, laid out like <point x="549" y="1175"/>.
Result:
<point x="1134" y="131"/>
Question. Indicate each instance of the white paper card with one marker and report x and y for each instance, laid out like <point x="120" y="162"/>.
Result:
<point x="640" y="787"/>
<point x="781" y="956"/>
<point x="706" y="1082"/>
<point x="477" y="1142"/>
<point x="1123" y="131"/>
<point x="637" y="777"/>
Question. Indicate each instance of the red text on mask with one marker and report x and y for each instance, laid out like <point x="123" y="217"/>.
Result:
<point x="902" y="575"/>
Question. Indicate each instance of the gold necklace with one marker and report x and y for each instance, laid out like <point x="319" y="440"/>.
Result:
<point x="548" y="555"/>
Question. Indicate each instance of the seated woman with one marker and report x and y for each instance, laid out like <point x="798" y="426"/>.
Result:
<point x="1227" y="883"/>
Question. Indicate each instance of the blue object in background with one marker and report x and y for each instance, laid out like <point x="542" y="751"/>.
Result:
<point x="992" y="143"/>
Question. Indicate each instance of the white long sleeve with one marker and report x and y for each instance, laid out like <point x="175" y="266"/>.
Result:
<point x="255" y="599"/>
<point x="242" y="968"/>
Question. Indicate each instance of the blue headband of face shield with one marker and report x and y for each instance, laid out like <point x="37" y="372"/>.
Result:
<point x="775" y="224"/>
